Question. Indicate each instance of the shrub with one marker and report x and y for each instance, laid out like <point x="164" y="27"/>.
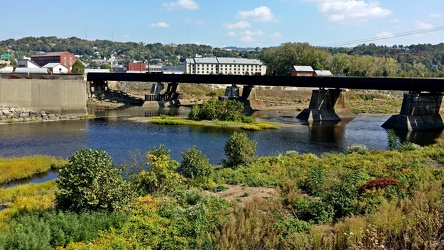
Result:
<point x="46" y="230"/>
<point x="407" y="146"/>
<point x="161" y="176"/>
<point x="239" y="150"/>
<point x="90" y="181"/>
<point x="217" y="110"/>
<point x="392" y="139"/>
<point x="357" y="148"/>
<point x="194" y="164"/>
<point x="380" y="183"/>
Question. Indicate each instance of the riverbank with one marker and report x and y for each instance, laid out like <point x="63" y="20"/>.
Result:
<point x="336" y="201"/>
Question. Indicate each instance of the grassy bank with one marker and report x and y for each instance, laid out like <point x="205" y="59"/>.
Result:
<point x="358" y="199"/>
<point x="255" y="126"/>
<point x="17" y="168"/>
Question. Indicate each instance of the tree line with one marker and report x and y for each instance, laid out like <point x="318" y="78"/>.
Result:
<point x="370" y="60"/>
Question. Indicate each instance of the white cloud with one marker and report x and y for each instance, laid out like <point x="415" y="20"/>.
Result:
<point x="385" y="34"/>
<point x="182" y="4"/>
<point x="194" y="21"/>
<point x="231" y="33"/>
<point x="249" y="36"/>
<point x="351" y="11"/>
<point x="435" y="15"/>
<point x="238" y="25"/>
<point x="260" y="14"/>
<point x="160" y="25"/>
<point x="276" y="36"/>
<point x="423" y="25"/>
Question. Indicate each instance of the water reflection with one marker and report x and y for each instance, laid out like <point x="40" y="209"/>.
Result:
<point x="113" y="132"/>
<point x="57" y="138"/>
<point x="420" y="137"/>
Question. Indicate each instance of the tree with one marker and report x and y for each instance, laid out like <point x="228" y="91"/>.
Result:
<point x="239" y="150"/>
<point x="282" y="58"/>
<point x="106" y="66"/>
<point x="194" y="164"/>
<point x="78" y="67"/>
<point x="161" y="176"/>
<point x="90" y="182"/>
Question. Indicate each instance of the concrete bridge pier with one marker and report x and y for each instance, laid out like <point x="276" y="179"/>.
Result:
<point x="157" y="88"/>
<point x="326" y="105"/>
<point x="169" y="99"/>
<point x="419" y="111"/>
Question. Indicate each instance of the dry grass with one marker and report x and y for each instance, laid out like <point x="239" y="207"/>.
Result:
<point x="247" y="194"/>
<point x="24" y="167"/>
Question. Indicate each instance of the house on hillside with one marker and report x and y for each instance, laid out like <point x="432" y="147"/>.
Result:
<point x="56" y="68"/>
<point x="66" y="59"/>
<point x="302" y="71"/>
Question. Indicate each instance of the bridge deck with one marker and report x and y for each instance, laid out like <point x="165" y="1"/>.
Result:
<point x="377" y="83"/>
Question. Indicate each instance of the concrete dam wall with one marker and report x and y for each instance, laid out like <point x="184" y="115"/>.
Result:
<point x="60" y="94"/>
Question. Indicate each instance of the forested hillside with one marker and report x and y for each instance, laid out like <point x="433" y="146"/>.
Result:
<point x="421" y="60"/>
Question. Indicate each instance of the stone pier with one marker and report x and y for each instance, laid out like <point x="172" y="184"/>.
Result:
<point x="326" y="105"/>
<point x="419" y="111"/>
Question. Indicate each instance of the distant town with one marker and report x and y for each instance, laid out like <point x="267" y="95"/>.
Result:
<point x="52" y="55"/>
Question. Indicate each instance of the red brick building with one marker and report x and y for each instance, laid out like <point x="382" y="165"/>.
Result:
<point x="65" y="58"/>
<point x="136" y="67"/>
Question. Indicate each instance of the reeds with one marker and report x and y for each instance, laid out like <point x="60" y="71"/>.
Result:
<point x="17" y="168"/>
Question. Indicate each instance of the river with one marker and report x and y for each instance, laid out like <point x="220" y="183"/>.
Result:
<point x="122" y="138"/>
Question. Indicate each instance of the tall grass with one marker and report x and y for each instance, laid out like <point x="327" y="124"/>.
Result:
<point x="325" y="202"/>
<point x="24" y="167"/>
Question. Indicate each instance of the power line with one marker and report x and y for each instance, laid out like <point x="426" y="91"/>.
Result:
<point x="408" y="33"/>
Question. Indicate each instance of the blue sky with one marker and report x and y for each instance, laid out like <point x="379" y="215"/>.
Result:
<point x="242" y="23"/>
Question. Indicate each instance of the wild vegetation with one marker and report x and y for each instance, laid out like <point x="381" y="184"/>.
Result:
<point x="17" y="168"/>
<point x="358" y="199"/>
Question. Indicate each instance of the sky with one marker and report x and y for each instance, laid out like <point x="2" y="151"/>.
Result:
<point x="240" y="23"/>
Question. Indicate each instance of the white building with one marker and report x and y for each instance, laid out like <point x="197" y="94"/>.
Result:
<point x="224" y="66"/>
<point x="25" y="63"/>
<point x="56" y="68"/>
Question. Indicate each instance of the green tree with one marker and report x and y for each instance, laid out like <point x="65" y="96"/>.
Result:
<point x="78" y="67"/>
<point x="282" y="58"/>
<point x="161" y="175"/>
<point x="194" y="164"/>
<point x="106" y="66"/>
<point x="239" y="150"/>
<point x="90" y="181"/>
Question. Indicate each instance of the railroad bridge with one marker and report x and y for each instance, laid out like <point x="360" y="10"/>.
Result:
<point x="422" y="106"/>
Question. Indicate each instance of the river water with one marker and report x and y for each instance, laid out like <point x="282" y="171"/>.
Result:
<point x="122" y="138"/>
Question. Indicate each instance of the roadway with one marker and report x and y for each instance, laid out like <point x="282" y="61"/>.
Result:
<point x="434" y="85"/>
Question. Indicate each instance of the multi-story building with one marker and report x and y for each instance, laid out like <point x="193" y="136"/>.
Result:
<point x="66" y="58"/>
<point x="224" y="66"/>
<point x="136" y="67"/>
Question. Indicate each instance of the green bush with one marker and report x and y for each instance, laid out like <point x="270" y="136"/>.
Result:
<point x="46" y="230"/>
<point x="392" y="139"/>
<point x="90" y="181"/>
<point x="217" y="110"/>
<point x="194" y="165"/>
<point x="357" y="148"/>
<point x="239" y="150"/>
<point x="161" y="176"/>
